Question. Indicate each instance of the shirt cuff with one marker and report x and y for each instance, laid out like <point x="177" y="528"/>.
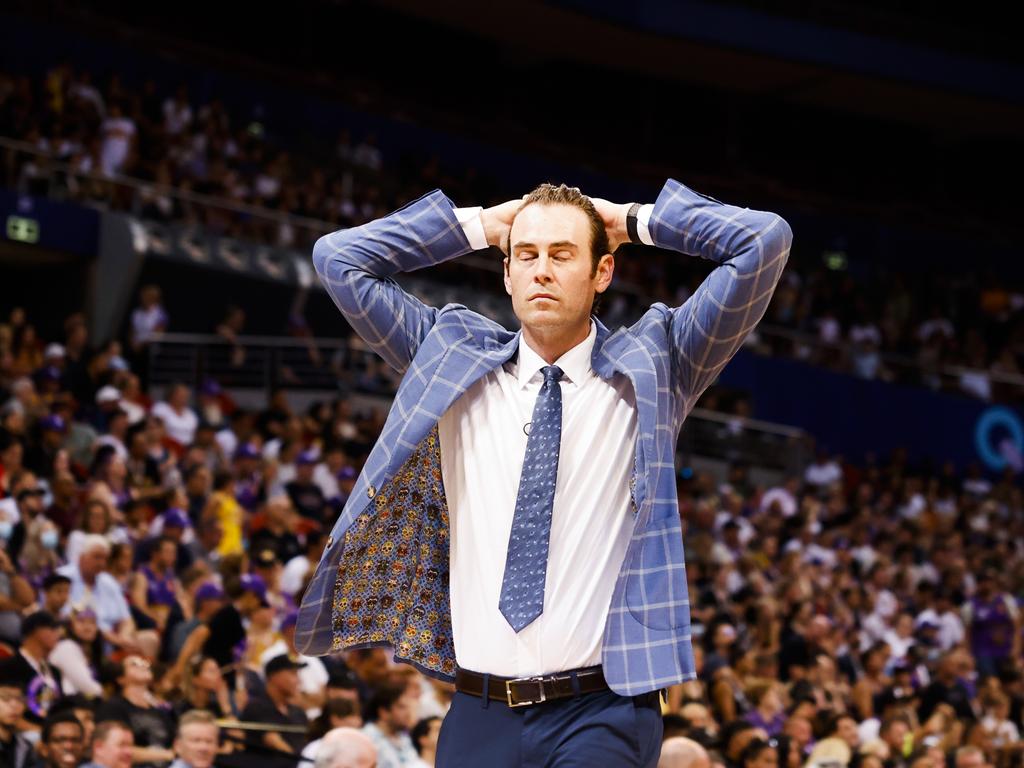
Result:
<point x="643" y="222"/>
<point x="473" y="226"/>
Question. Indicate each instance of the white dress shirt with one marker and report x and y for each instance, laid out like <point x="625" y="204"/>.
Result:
<point x="483" y="443"/>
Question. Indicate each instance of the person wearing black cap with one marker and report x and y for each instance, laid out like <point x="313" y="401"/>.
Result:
<point x="278" y="531"/>
<point x="276" y="707"/>
<point x="30" y="670"/>
<point x="265" y="561"/>
<point x="314" y="676"/>
<point x="343" y="683"/>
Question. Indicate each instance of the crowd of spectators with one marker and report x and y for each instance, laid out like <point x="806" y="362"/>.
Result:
<point x="955" y="332"/>
<point x="88" y="135"/>
<point x="153" y="552"/>
<point x="154" y="547"/>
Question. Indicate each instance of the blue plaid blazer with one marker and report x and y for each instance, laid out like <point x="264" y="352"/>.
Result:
<point x="383" y="578"/>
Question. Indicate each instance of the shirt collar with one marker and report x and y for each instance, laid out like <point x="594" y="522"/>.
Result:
<point x="575" y="363"/>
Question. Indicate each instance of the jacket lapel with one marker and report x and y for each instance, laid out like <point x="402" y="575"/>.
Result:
<point x="486" y="354"/>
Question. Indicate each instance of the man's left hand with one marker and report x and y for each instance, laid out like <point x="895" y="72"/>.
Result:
<point x="614" y="217"/>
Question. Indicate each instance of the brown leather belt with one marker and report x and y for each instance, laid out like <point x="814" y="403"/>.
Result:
<point x="523" y="691"/>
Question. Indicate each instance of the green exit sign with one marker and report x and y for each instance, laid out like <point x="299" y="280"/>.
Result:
<point x="22" y="230"/>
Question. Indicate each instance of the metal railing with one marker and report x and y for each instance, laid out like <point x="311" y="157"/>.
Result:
<point x="735" y="439"/>
<point x="267" y="362"/>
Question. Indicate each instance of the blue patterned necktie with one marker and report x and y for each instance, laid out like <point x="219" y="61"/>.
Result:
<point x="526" y="562"/>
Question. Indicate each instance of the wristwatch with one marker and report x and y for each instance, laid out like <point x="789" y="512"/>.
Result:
<point x="631" y="230"/>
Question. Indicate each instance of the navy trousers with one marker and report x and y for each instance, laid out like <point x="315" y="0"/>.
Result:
<point x="594" y="729"/>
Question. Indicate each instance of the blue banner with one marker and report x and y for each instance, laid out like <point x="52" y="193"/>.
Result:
<point x="857" y="417"/>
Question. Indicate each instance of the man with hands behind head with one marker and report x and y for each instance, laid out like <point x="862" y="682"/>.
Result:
<point x="515" y="528"/>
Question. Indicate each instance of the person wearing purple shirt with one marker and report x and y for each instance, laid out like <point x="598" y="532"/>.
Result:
<point x="768" y="713"/>
<point x="994" y="625"/>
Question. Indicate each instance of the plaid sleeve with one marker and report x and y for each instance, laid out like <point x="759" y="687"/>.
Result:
<point x="750" y="248"/>
<point x="357" y="266"/>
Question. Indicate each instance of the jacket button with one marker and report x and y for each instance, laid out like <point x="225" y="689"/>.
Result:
<point x="330" y="541"/>
<point x="371" y="492"/>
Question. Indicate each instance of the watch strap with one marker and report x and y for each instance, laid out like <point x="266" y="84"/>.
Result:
<point x="631" y="227"/>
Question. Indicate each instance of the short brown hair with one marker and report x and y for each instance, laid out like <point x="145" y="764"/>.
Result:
<point x="384" y="696"/>
<point x="106" y="727"/>
<point x="549" y="194"/>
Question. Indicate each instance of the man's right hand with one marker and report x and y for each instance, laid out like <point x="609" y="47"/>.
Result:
<point x="497" y="221"/>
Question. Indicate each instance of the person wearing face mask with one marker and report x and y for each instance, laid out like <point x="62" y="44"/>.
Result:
<point x="39" y="556"/>
<point x="29" y="500"/>
<point x="50" y="538"/>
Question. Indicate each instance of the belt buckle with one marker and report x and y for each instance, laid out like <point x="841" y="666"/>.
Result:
<point x="540" y="687"/>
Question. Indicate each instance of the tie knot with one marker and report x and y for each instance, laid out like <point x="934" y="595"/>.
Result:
<point x="551" y="373"/>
